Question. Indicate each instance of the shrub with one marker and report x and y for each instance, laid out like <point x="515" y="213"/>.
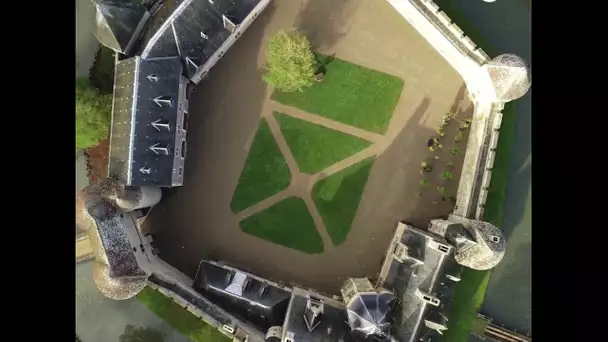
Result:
<point x="291" y="63"/>
<point x="93" y="113"/>
<point x="101" y="73"/>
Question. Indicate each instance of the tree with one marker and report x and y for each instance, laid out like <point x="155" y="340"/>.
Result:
<point x="291" y="63"/>
<point x="141" y="334"/>
<point x="93" y="114"/>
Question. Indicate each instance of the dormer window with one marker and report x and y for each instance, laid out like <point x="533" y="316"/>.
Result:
<point x="495" y="239"/>
<point x="163" y="101"/>
<point x="430" y="300"/>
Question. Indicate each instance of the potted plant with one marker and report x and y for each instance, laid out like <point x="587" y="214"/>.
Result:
<point x="425" y="167"/>
<point x="455" y="150"/>
<point x="447" y="175"/>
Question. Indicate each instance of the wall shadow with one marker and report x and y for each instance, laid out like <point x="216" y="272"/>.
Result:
<point x="224" y="112"/>
<point x="323" y="21"/>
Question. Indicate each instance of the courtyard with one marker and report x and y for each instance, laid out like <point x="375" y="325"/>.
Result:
<point x="306" y="188"/>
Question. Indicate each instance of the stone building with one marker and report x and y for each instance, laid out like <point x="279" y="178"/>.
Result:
<point x="161" y="49"/>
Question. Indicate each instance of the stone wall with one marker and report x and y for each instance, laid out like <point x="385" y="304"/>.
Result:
<point x="204" y="309"/>
<point x="450" y="30"/>
<point x="466" y="58"/>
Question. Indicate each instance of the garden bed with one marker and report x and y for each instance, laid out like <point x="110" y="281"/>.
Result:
<point x="97" y="161"/>
<point x="287" y="223"/>
<point x="350" y="94"/>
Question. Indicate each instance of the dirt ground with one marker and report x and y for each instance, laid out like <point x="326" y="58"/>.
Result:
<point x="97" y="160"/>
<point x="195" y="221"/>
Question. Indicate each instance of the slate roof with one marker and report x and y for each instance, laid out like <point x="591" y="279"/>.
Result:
<point x="118" y="24"/>
<point x="332" y="324"/>
<point x="145" y="121"/>
<point x="260" y="302"/>
<point x="192" y="29"/>
<point x="424" y="273"/>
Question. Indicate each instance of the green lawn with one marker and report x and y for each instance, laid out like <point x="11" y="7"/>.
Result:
<point x="316" y="147"/>
<point x="265" y="172"/>
<point x="337" y="198"/>
<point x="350" y="94"/>
<point x="286" y="223"/>
<point x="466" y="301"/>
<point x="470" y="291"/>
<point x="179" y="318"/>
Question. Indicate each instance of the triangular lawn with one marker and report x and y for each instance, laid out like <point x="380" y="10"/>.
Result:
<point x="265" y="173"/>
<point x="337" y="198"/>
<point x="316" y="147"/>
<point x="286" y="223"/>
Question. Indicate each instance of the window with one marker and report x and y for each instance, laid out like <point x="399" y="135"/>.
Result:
<point x="443" y="248"/>
<point x="185" y="122"/>
<point x="184" y="149"/>
<point x="495" y="239"/>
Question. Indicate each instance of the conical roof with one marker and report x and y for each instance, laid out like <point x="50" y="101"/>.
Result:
<point x="370" y="313"/>
<point x="507" y="77"/>
<point x="117" y="23"/>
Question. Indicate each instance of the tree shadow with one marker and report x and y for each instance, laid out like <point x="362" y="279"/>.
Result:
<point x="323" y="61"/>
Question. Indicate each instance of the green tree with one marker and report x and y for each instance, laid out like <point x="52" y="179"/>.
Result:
<point x="93" y="114"/>
<point x="291" y="63"/>
<point x="141" y="334"/>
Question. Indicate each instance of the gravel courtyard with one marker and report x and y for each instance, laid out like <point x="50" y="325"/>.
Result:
<point x="195" y="221"/>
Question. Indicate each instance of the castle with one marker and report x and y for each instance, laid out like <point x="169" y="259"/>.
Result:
<point x="162" y="51"/>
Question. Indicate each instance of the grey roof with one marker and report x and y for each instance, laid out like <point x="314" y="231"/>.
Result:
<point x="192" y="29"/>
<point x="487" y="252"/>
<point x="331" y="326"/>
<point x="260" y="302"/>
<point x="119" y="23"/>
<point x="145" y="120"/>
<point x="371" y="313"/>
<point x="510" y="77"/>
<point x="425" y="272"/>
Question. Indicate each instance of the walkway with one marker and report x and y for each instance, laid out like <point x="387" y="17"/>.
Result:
<point x="506" y="25"/>
<point x="195" y="221"/>
<point x="100" y="319"/>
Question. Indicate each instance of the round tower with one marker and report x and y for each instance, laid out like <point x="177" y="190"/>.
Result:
<point x="274" y="334"/>
<point x="505" y="78"/>
<point x="118" y="24"/>
<point x="488" y="250"/>
<point x="117" y="272"/>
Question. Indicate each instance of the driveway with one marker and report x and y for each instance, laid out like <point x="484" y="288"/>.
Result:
<point x="99" y="319"/>
<point x="506" y="25"/>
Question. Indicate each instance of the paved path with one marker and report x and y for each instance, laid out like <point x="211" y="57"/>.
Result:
<point x="100" y="319"/>
<point x="506" y="25"/>
<point x="195" y="221"/>
<point x="86" y="43"/>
